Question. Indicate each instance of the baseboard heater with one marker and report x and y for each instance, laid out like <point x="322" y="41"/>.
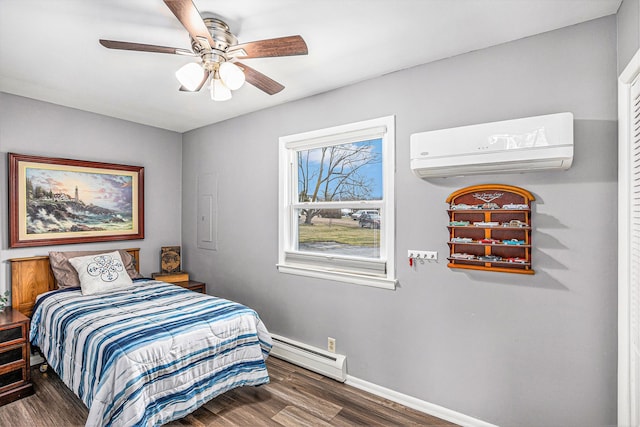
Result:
<point x="312" y="358"/>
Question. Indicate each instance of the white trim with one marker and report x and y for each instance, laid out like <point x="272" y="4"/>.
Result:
<point x="360" y="204"/>
<point x="356" y="279"/>
<point x="417" y="404"/>
<point x="338" y="263"/>
<point x="625" y="80"/>
<point x="338" y="135"/>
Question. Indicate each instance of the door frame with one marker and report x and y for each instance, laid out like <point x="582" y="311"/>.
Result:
<point x="626" y="405"/>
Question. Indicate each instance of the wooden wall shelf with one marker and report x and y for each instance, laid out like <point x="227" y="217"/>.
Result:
<point x="490" y="228"/>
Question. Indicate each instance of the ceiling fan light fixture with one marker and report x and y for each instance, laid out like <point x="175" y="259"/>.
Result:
<point x="219" y="92"/>
<point x="190" y="75"/>
<point x="231" y="75"/>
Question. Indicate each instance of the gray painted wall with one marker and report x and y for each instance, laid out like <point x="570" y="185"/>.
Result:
<point x="505" y="348"/>
<point x="39" y="128"/>
<point x="628" y="31"/>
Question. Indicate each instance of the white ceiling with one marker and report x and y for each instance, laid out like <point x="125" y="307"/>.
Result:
<point x="49" y="48"/>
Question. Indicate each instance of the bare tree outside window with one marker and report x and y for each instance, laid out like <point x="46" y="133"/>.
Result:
<point x="347" y="172"/>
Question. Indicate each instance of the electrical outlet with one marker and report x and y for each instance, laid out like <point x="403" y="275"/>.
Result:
<point x="428" y="255"/>
<point x="331" y="344"/>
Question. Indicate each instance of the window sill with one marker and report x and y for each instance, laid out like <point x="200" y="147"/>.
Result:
<point x="376" y="282"/>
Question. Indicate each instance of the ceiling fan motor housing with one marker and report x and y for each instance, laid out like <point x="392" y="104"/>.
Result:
<point x="212" y="56"/>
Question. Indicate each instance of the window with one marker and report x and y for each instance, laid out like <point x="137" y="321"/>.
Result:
<point x="336" y="203"/>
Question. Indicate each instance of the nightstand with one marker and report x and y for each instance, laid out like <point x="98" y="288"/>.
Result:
<point x="193" y="285"/>
<point x="15" y="375"/>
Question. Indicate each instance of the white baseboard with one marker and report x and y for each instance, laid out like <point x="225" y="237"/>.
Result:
<point x="334" y="366"/>
<point x="417" y="404"/>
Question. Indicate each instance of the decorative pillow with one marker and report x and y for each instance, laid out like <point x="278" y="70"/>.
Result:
<point x="67" y="277"/>
<point x="101" y="273"/>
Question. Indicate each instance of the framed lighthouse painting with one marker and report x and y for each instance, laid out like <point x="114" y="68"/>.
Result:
<point x="56" y="201"/>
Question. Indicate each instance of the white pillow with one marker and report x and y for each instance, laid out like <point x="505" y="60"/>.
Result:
<point x="101" y="273"/>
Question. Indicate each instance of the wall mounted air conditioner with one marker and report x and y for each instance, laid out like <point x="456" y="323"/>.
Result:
<point x="521" y="145"/>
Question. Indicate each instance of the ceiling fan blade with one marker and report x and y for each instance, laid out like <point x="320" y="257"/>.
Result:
<point x="190" y="18"/>
<point x="260" y="81"/>
<point x="282" y="46"/>
<point x="113" y="44"/>
<point x="204" y="80"/>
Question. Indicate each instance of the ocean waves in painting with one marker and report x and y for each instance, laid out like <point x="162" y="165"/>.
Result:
<point x="69" y="216"/>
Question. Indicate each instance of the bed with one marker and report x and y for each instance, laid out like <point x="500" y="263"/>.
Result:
<point x="145" y="354"/>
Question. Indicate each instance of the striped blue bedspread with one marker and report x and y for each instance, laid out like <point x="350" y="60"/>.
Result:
<point x="149" y="354"/>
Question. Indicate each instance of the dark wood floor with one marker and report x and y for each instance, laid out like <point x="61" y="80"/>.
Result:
<point x="294" y="397"/>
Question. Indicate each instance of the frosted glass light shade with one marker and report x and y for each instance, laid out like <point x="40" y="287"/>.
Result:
<point x="190" y="75"/>
<point x="231" y="75"/>
<point x="219" y="92"/>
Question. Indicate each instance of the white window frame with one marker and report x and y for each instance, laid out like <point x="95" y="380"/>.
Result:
<point x="292" y="261"/>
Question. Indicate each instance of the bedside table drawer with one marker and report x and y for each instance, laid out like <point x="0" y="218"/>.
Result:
<point x="12" y="354"/>
<point x="15" y="376"/>
<point x="11" y="335"/>
<point x="12" y="378"/>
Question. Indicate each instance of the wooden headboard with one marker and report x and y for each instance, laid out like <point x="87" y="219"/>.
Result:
<point x="33" y="276"/>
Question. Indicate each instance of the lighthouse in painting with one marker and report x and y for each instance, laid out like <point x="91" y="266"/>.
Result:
<point x="77" y="199"/>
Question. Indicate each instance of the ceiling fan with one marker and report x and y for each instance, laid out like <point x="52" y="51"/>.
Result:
<point x="219" y="51"/>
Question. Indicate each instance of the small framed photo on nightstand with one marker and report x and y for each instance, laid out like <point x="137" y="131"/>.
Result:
<point x="170" y="259"/>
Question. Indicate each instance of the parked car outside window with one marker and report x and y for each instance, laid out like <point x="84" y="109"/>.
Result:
<point x="357" y="214"/>
<point x="369" y="220"/>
